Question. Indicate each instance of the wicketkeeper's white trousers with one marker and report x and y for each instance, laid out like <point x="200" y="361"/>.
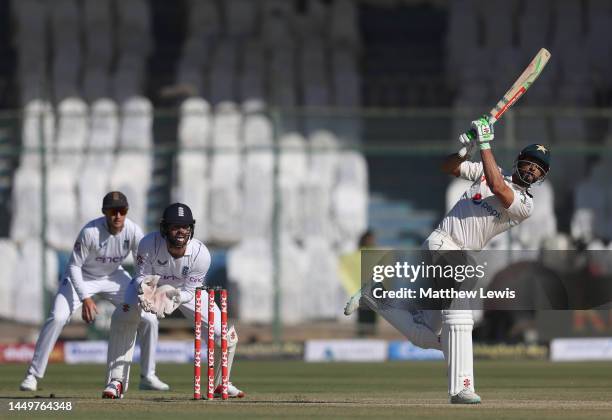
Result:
<point x="123" y="333"/>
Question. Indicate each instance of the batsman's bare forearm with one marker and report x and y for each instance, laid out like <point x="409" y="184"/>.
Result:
<point x="451" y="164"/>
<point x="495" y="179"/>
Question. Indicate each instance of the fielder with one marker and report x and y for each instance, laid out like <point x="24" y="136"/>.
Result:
<point x="494" y="203"/>
<point x="95" y="268"/>
<point x="171" y="264"/>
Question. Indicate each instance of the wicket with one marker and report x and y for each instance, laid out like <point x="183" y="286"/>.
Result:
<point x="210" y="343"/>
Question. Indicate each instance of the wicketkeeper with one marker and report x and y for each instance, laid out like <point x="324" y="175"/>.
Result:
<point x="171" y="265"/>
<point x="494" y="203"/>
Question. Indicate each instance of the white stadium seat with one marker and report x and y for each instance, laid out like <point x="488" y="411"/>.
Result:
<point x="9" y="255"/>
<point x="27" y="206"/>
<point x="132" y="176"/>
<point x="258" y="181"/>
<point x="28" y="285"/>
<point x="72" y="133"/>
<point x="192" y="165"/>
<point x="226" y="174"/>
<point x="136" y="130"/>
<point x="62" y="208"/>
<point x="350" y="200"/>
<point x="31" y="133"/>
<point x="293" y="172"/>
<point x="94" y="180"/>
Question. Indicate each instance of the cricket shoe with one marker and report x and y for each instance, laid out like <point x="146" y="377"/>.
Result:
<point x="466" y="396"/>
<point x="232" y="391"/>
<point x="352" y="304"/>
<point x="152" y="383"/>
<point x="30" y="383"/>
<point x="113" y="391"/>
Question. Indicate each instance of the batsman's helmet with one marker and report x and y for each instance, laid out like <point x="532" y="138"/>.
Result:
<point x="537" y="153"/>
<point x="176" y="214"/>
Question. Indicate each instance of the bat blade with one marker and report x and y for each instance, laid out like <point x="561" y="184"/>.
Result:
<point x="520" y="86"/>
<point x="518" y="89"/>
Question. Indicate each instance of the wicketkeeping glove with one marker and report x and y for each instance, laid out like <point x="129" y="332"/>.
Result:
<point x="484" y="132"/>
<point x="146" y="292"/>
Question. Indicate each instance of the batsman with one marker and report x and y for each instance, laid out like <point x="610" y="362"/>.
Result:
<point x="494" y="203"/>
<point x="171" y="264"/>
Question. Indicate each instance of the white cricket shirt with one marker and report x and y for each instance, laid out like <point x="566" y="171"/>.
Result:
<point x="97" y="254"/>
<point x="184" y="273"/>
<point x="478" y="216"/>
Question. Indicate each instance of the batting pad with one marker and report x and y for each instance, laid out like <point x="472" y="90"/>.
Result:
<point x="232" y="342"/>
<point x="457" y="347"/>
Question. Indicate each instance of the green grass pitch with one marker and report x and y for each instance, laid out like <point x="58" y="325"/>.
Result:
<point x="525" y="390"/>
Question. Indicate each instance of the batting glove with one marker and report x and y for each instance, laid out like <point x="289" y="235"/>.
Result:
<point x="468" y="143"/>
<point x="484" y="132"/>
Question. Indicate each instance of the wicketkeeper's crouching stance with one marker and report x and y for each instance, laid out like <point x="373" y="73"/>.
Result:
<point x="494" y="203"/>
<point x="171" y="264"/>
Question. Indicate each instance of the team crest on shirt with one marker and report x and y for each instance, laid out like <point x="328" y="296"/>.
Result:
<point x="185" y="270"/>
<point x="126" y="244"/>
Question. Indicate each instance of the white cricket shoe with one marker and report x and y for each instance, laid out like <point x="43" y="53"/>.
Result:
<point x="352" y="304"/>
<point x="232" y="391"/>
<point x="466" y="396"/>
<point x="152" y="383"/>
<point x="114" y="390"/>
<point x="30" y="383"/>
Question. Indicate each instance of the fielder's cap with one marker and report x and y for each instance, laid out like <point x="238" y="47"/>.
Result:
<point x="113" y="200"/>
<point x="178" y="214"/>
<point x="538" y="152"/>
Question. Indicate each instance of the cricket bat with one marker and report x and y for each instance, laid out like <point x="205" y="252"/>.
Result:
<point x="518" y="89"/>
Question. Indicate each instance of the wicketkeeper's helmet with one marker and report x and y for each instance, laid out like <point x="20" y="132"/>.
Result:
<point x="176" y="214"/>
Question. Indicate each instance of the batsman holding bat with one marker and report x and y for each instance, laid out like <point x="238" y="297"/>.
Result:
<point x="494" y="203"/>
<point x="171" y="265"/>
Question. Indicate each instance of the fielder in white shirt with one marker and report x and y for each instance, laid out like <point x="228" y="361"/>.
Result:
<point x="95" y="268"/>
<point x="493" y="204"/>
<point x="171" y="264"/>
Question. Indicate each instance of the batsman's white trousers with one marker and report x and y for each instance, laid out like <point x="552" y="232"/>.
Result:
<point x="67" y="302"/>
<point x="454" y="327"/>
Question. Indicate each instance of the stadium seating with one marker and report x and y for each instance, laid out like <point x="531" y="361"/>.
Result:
<point x="258" y="185"/>
<point x="226" y="201"/>
<point x="27" y="285"/>
<point x="72" y="134"/>
<point x="9" y="255"/>
<point x="238" y="59"/>
<point x="192" y="162"/>
<point x="293" y="171"/>
<point x="94" y="180"/>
